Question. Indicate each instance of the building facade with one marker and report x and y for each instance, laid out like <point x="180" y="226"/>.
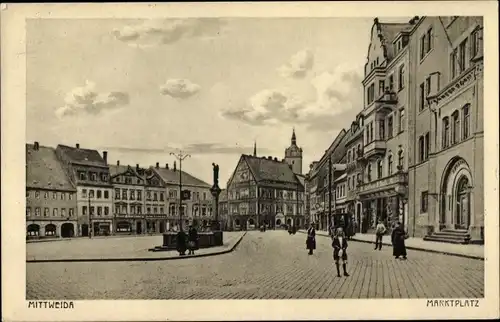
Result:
<point x="447" y="128"/>
<point x="197" y="210"/>
<point x="50" y="195"/>
<point x="267" y="191"/>
<point x="89" y="172"/>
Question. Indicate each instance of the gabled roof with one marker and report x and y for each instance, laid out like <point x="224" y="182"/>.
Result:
<point x="82" y="156"/>
<point x="119" y="169"/>
<point x="44" y="170"/>
<point x="171" y="176"/>
<point x="265" y="169"/>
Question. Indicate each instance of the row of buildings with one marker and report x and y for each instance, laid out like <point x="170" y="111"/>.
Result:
<point x="71" y="191"/>
<point x="414" y="153"/>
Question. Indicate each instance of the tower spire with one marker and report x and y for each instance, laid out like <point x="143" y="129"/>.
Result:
<point x="254" y="148"/>
<point x="294" y="138"/>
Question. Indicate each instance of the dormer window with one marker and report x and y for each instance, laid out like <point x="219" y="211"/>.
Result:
<point x="82" y="175"/>
<point x="93" y="176"/>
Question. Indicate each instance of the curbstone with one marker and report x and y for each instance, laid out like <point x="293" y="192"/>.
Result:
<point x="139" y="259"/>
<point x="443" y="252"/>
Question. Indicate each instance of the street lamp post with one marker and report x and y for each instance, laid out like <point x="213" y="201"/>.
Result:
<point x="179" y="156"/>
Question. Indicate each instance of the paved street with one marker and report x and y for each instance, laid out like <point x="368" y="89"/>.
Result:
<point x="270" y="265"/>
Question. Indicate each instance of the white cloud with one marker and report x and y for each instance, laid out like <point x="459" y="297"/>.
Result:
<point x="179" y="88"/>
<point x="298" y="65"/>
<point x="338" y="96"/>
<point x="86" y="99"/>
<point x="155" y="32"/>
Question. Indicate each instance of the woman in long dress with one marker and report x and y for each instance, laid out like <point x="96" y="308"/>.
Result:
<point x="398" y="241"/>
<point x="311" y="239"/>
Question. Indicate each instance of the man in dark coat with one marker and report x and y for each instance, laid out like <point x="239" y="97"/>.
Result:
<point x="339" y="243"/>
<point x="398" y="241"/>
<point x="192" y="240"/>
<point x="181" y="243"/>
<point x="311" y="239"/>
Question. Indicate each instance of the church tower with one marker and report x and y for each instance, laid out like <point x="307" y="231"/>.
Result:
<point x="293" y="155"/>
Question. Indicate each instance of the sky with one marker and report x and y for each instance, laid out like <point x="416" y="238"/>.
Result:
<point x="141" y="89"/>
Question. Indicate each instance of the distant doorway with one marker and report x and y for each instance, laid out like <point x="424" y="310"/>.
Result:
<point x="67" y="230"/>
<point x="138" y="227"/>
<point x="85" y="230"/>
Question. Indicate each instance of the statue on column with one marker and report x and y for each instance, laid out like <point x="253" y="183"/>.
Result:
<point x="216" y="174"/>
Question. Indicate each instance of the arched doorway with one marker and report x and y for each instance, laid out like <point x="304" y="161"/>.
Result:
<point x="278" y="222"/>
<point x="33" y="230"/>
<point x="462" y="197"/>
<point x="138" y="227"/>
<point x="162" y="227"/>
<point x="289" y="222"/>
<point x="455" y="195"/>
<point x="67" y="230"/>
<point x="50" y="230"/>
<point x="237" y="223"/>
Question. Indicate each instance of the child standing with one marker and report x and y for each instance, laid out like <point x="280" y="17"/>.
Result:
<point x="339" y="244"/>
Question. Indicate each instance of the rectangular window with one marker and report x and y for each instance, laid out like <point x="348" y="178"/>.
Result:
<point x="453" y="63"/>
<point x="421" y="147"/>
<point x="428" y="86"/>
<point x="475" y="44"/>
<point x="46" y="212"/>
<point x="427" y="145"/>
<point x="117" y="194"/>
<point x="99" y="211"/>
<point x="391" y="82"/>
<point x="132" y="194"/>
<point x="402" y="119"/>
<point x="54" y="212"/>
<point x="139" y="195"/>
<point x="71" y="212"/>
<point x="70" y="196"/>
<point x="93" y="176"/>
<point x="456" y="128"/>
<point x="124" y="194"/>
<point x="422" y="47"/>
<point x="421" y="97"/>
<point x="99" y="194"/>
<point x="381" y="87"/>
<point x="91" y="193"/>
<point x="82" y="175"/>
<point x="63" y="196"/>
<point x="54" y="195"/>
<point x="124" y="209"/>
<point x="381" y="129"/>
<point x="84" y="210"/>
<point x="155" y="210"/>
<point x="155" y="196"/>
<point x="161" y="210"/>
<point x="37" y="211"/>
<point x="466" y="115"/>
<point x="84" y="193"/>
<point x="28" y="211"/>
<point x="139" y="210"/>
<point x="46" y="195"/>
<point x="106" y="194"/>
<point x="462" y="56"/>
<point x="162" y="196"/>
<point x="106" y="211"/>
<point x="423" y="202"/>
<point x="389" y="127"/>
<point x="429" y="40"/>
<point x="92" y="210"/>
<point x="446" y="132"/>
<point x="37" y="194"/>
<point x="401" y="78"/>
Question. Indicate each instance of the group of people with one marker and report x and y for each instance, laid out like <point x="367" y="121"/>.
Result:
<point x="398" y="237"/>
<point x="339" y="243"/>
<point x="187" y="242"/>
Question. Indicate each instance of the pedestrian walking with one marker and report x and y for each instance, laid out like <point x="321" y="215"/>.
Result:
<point x="192" y="240"/>
<point x="311" y="239"/>
<point x="379" y="234"/>
<point x="339" y="244"/>
<point x="398" y="241"/>
<point x="181" y="243"/>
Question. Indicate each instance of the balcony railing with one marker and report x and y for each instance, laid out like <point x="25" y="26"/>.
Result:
<point x="374" y="149"/>
<point x="395" y="182"/>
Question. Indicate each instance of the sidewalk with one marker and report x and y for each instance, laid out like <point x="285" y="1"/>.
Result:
<point x="468" y="251"/>
<point x="116" y="250"/>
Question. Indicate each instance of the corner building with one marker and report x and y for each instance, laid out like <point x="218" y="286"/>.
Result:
<point x="447" y="129"/>
<point x="383" y="188"/>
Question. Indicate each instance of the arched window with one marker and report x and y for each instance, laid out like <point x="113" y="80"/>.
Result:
<point x="446" y="132"/>
<point x="466" y="116"/>
<point x="456" y="127"/>
<point x="389" y="164"/>
<point x="50" y="230"/>
<point x="379" y="169"/>
<point x="33" y="230"/>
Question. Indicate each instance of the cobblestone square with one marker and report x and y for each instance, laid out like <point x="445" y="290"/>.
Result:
<point x="270" y="265"/>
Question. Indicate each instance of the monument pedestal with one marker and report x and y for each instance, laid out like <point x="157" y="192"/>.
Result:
<point x="206" y="240"/>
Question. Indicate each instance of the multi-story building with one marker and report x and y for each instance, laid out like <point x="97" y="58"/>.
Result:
<point x="223" y="210"/>
<point x="446" y="128"/>
<point x="266" y="191"/>
<point x="384" y="184"/>
<point x="155" y="200"/>
<point x="89" y="172"/>
<point x="197" y="210"/>
<point x="354" y="169"/>
<point x="50" y="195"/>
<point x="128" y="207"/>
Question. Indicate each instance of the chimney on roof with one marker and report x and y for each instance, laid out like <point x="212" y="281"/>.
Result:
<point x="166" y="166"/>
<point x="269" y="157"/>
<point x="78" y="145"/>
<point x="37" y="146"/>
<point x="117" y="162"/>
<point x="105" y="156"/>
<point x="137" y="166"/>
<point x="175" y="165"/>
<point x="157" y="165"/>
<point x="275" y="159"/>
